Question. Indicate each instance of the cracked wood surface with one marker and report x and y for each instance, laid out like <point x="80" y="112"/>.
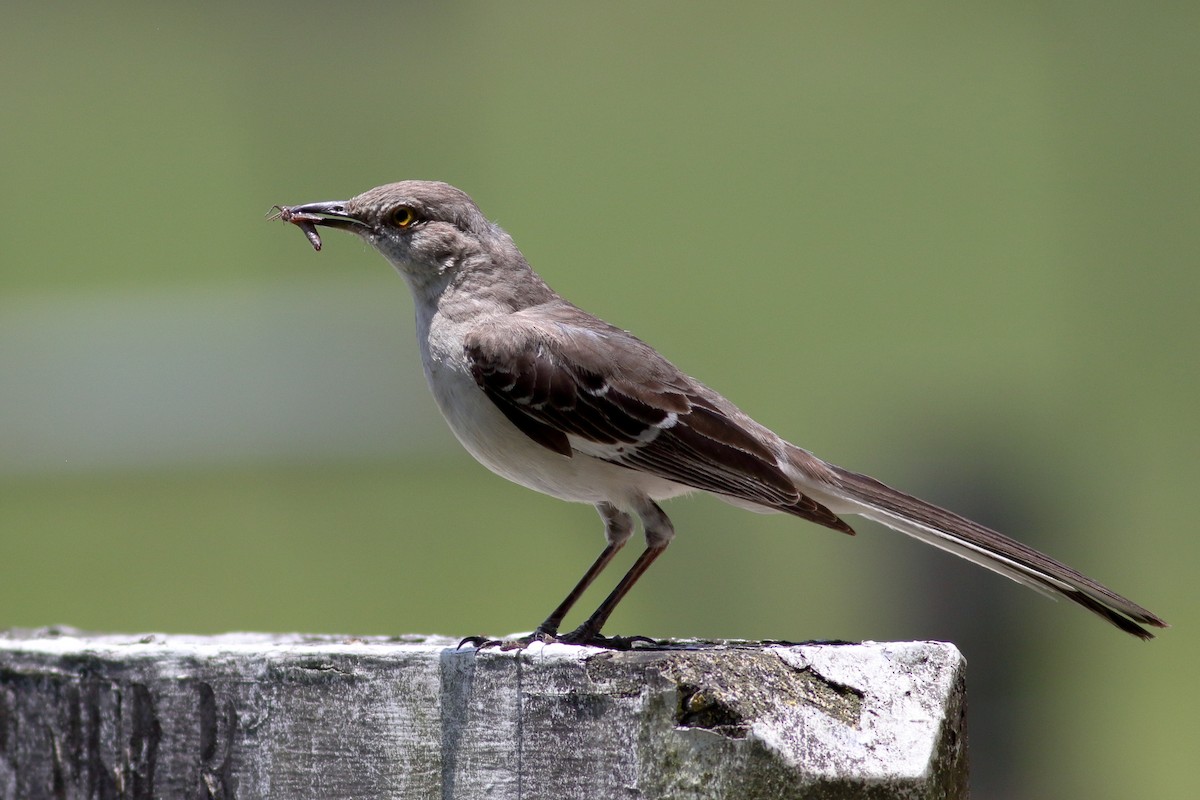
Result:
<point x="293" y="716"/>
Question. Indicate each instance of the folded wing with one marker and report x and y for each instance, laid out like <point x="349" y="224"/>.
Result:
<point x="573" y="383"/>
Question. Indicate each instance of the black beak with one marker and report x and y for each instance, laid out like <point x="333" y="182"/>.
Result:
<point x="330" y="214"/>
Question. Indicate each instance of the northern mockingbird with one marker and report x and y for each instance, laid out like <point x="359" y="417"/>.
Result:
<point x="557" y="400"/>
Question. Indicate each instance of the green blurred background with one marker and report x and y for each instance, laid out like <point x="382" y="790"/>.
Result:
<point x="953" y="245"/>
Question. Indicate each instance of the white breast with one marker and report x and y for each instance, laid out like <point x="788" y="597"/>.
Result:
<point x="501" y="447"/>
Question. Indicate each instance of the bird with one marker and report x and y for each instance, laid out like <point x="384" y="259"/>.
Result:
<point x="557" y="400"/>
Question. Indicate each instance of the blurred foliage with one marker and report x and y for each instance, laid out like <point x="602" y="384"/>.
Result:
<point x="953" y="245"/>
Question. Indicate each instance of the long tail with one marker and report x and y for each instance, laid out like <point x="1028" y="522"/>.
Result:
<point x="984" y="546"/>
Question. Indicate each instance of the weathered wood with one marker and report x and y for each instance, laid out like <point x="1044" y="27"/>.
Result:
<point x="250" y="716"/>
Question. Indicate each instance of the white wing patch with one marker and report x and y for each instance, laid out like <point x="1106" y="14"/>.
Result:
<point x="667" y="423"/>
<point x="616" y="452"/>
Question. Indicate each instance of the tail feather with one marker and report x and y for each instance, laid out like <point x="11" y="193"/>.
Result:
<point x="986" y="547"/>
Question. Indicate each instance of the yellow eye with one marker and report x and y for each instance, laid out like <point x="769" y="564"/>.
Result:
<point x="403" y="216"/>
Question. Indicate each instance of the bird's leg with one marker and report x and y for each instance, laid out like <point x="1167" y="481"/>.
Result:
<point x="659" y="532"/>
<point x="589" y="631"/>
<point x="617" y="528"/>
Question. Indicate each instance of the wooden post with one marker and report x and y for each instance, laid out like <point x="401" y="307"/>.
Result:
<point x="292" y="717"/>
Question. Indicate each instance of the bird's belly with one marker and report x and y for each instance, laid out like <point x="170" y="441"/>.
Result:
<point x="500" y="446"/>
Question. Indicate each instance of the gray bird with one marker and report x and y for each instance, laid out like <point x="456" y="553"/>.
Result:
<point x="555" y="399"/>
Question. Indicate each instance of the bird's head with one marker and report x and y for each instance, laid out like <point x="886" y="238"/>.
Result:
<point x="427" y="230"/>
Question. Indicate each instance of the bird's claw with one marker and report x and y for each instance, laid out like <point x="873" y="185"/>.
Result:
<point x="480" y="642"/>
<point x="607" y="642"/>
<point x="580" y="636"/>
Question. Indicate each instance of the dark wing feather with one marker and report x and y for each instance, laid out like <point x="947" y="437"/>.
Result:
<point x="507" y="379"/>
<point x="556" y="371"/>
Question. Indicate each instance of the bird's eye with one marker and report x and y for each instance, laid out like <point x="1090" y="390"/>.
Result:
<point x="403" y="216"/>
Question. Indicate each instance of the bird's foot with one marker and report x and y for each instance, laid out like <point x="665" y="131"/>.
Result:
<point x="583" y="635"/>
<point x="520" y="643"/>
